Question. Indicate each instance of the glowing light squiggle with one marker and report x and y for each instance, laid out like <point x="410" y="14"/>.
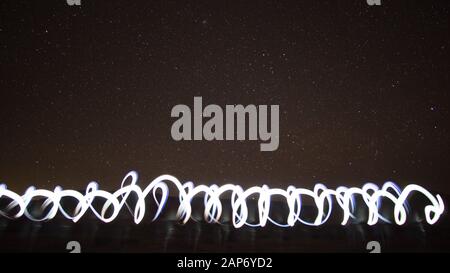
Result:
<point x="371" y="194"/>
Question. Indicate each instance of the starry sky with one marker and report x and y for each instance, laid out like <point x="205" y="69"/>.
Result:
<point x="86" y="91"/>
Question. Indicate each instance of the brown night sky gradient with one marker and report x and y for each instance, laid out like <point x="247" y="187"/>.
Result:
<point x="86" y="92"/>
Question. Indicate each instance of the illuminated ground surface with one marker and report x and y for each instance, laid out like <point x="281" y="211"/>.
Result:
<point x="166" y="235"/>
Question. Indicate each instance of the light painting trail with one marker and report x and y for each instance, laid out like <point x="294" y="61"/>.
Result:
<point x="17" y="205"/>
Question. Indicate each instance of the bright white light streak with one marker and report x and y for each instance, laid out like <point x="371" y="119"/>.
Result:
<point x="370" y="193"/>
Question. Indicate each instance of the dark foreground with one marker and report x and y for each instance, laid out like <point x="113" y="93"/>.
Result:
<point x="165" y="235"/>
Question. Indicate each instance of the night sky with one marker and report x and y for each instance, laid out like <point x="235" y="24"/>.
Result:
<point x="86" y="92"/>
